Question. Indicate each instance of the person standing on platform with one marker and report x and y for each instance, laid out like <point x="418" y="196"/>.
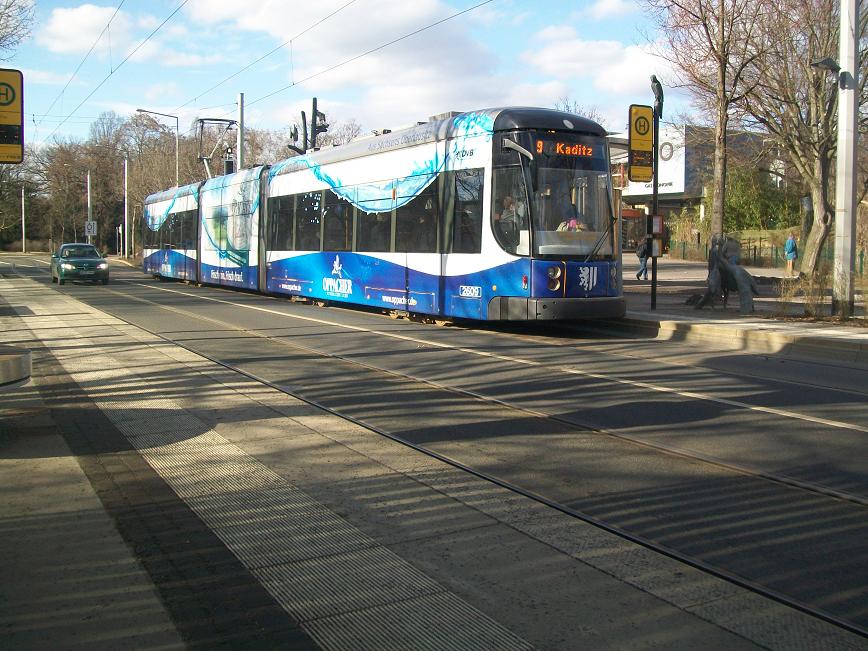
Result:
<point x="791" y="252"/>
<point x="644" y="252"/>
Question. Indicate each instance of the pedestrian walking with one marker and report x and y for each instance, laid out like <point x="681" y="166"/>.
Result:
<point x="644" y="252"/>
<point x="791" y="252"/>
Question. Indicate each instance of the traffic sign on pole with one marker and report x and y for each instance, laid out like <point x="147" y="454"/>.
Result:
<point x="90" y="228"/>
<point x="11" y="116"/>
<point x="641" y="143"/>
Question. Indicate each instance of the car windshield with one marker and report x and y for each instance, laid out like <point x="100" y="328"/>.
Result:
<point x="79" y="252"/>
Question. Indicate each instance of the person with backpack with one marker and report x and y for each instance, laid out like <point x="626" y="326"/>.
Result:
<point x="644" y="252"/>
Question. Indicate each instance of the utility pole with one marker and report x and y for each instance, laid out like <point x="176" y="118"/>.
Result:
<point x="23" y="230"/>
<point x="845" y="177"/>
<point x="239" y="147"/>
<point x="657" y="89"/>
<point x="89" y="205"/>
<point x="126" y="210"/>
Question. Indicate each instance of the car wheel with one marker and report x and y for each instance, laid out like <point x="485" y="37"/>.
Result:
<point x="53" y="279"/>
<point x="105" y="281"/>
<point x="60" y="281"/>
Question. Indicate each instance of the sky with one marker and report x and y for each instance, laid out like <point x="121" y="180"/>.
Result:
<point x="383" y="63"/>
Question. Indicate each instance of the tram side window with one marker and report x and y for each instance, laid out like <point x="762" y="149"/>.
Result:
<point x="374" y="231"/>
<point x="416" y="222"/>
<point x="168" y="232"/>
<point x="509" y="210"/>
<point x="338" y="223"/>
<point x="187" y="234"/>
<point x="152" y="238"/>
<point x="467" y="220"/>
<point x="374" y="224"/>
<point x="308" y="215"/>
<point x="280" y="220"/>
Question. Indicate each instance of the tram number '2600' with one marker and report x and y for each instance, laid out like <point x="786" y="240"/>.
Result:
<point x="470" y="291"/>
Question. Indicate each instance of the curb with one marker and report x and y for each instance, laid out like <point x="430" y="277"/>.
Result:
<point x="751" y="336"/>
<point x="15" y="365"/>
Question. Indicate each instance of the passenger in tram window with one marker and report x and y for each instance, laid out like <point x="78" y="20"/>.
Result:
<point x="508" y="212"/>
<point x="380" y="232"/>
<point x="507" y="223"/>
<point x="427" y="235"/>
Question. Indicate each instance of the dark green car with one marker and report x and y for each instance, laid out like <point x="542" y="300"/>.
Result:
<point x="79" y="262"/>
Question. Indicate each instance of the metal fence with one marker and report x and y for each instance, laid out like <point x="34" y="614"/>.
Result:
<point x="757" y="253"/>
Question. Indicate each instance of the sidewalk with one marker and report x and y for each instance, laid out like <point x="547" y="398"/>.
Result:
<point x="765" y="331"/>
<point x="150" y="498"/>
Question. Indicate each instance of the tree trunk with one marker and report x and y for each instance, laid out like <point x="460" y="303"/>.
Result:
<point x="823" y="216"/>
<point x="718" y="196"/>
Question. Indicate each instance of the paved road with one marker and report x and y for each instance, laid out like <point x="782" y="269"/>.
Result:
<point x="580" y="419"/>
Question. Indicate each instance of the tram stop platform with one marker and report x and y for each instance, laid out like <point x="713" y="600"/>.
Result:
<point x="154" y="499"/>
<point x="777" y="326"/>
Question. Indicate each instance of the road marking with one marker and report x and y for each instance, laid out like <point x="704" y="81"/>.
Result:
<point x="528" y="362"/>
<point x="40" y="261"/>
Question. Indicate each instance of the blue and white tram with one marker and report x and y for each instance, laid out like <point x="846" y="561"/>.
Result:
<point x="501" y="214"/>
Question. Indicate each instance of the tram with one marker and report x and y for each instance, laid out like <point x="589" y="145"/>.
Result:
<point x="497" y="214"/>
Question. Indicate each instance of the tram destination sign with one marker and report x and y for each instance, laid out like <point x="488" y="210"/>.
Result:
<point x="11" y="116"/>
<point x="564" y="148"/>
<point x="641" y="143"/>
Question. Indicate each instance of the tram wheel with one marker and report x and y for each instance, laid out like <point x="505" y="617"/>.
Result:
<point x="442" y="322"/>
<point x="321" y="303"/>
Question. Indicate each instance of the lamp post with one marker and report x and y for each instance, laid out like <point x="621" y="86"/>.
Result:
<point x="846" y="69"/>
<point x="166" y="115"/>
<point x="89" y="204"/>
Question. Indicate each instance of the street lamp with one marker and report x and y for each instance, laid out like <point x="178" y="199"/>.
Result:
<point x="846" y="70"/>
<point x="166" y="115"/>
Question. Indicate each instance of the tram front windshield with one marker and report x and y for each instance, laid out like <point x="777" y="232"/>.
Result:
<point x="571" y="205"/>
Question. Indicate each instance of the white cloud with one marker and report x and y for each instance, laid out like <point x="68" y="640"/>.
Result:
<point x="73" y="31"/>
<point x="610" y="66"/>
<point x="608" y="8"/>
<point x="44" y="78"/>
<point x="174" y="58"/>
<point x="162" y="91"/>
<point x="542" y="94"/>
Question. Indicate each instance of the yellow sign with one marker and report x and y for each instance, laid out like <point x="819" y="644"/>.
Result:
<point x="641" y="143"/>
<point x="11" y="116"/>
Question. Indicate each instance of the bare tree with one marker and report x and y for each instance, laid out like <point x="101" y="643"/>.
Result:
<point x="568" y="105"/>
<point x="340" y="133"/>
<point x="16" y="19"/>
<point x="796" y="104"/>
<point x="711" y="44"/>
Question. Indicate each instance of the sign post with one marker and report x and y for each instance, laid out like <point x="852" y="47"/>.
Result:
<point x="11" y="116"/>
<point x="657" y="89"/>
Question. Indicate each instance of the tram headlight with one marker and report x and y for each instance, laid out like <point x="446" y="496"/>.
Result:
<point x="554" y="273"/>
<point x="554" y="284"/>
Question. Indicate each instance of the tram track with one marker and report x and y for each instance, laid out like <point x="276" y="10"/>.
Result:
<point x="692" y="455"/>
<point x="589" y="518"/>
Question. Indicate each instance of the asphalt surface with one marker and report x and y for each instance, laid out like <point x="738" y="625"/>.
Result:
<point x="580" y="419"/>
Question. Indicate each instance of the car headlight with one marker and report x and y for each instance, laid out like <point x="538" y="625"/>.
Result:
<point x="102" y="265"/>
<point x="67" y="266"/>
